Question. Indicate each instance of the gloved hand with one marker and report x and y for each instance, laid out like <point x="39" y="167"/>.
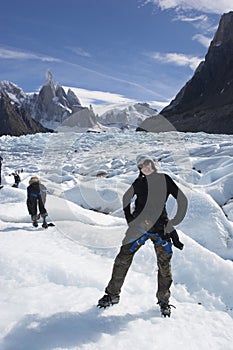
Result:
<point x="175" y="240"/>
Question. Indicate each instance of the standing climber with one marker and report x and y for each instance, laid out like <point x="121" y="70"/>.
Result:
<point x="148" y="220"/>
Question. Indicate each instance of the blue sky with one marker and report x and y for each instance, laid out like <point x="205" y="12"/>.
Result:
<point x="134" y="49"/>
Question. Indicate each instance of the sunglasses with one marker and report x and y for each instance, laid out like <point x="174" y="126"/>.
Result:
<point x="145" y="163"/>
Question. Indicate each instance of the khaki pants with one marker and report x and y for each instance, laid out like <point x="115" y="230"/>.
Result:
<point x="123" y="261"/>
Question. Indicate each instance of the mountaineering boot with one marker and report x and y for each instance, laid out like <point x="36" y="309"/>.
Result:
<point x="165" y="309"/>
<point x="107" y="300"/>
<point x="34" y="221"/>
<point x="45" y="224"/>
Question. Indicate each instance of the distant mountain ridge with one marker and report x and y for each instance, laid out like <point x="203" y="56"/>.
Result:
<point x="128" y="117"/>
<point x="28" y="113"/>
<point x="53" y="109"/>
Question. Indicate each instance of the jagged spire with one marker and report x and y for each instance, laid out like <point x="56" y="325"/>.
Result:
<point x="49" y="77"/>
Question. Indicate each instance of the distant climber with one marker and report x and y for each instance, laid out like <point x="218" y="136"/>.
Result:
<point x="36" y="198"/>
<point x="16" y="178"/>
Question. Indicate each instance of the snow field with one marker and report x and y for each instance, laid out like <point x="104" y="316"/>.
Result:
<point x="51" y="280"/>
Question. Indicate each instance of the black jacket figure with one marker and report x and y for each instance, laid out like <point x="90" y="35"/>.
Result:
<point x="36" y="198"/>
<point x="17" y="179"/>
<point x="148" y="220"/>
<point x="152" y="192"/>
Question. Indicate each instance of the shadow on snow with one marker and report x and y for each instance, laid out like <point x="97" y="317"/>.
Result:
<point x="67" y="329"/>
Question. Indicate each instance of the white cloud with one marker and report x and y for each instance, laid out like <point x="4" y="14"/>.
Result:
<point x="202" y="39"/>
<point x="23" y="55"/>
<point x="177" y="59"/>
<point x="206" y="6"/>
<point x="203" y="22"/>
<point x="102" y="100"/>
<point x="89" y="96"/>
<point x="198" y="13"/>
<point x="192" y="18"/>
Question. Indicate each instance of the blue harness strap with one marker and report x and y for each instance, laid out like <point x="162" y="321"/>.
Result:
<point x="35" y="194"/>
<point x="141" y="240"/>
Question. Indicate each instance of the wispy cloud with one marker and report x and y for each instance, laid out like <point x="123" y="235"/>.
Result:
<point x="79" y="51"/>
<point x="203" y="22"/>
<point x="190" y="18"/>
<point x="17" y="54"/>
<point x="198" y="13"/>
<point x="115" y="78"/>
<point x="12" y="54"/>
<point x="202" y="39"/>
<point x="207" y="6"/>
<point x="91" y="96"/>
<point x="176" y="59"/>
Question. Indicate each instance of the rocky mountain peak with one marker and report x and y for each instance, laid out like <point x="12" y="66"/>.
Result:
<point x="15" y="93"/>
<point x="52" y="104"/>
<point x="225" y="29"/>
<point x="205" y="103"/>
<point x="72" y="98"/>
<point x="15" y="120"/>
<point x="49" y="78"/>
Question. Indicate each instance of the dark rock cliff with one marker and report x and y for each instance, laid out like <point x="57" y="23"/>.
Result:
<point x="15" y="120"/>
<point x="205" y="103"/>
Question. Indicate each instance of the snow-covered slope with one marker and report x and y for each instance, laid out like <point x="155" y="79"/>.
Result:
<point x="52" y="279"/>
<point x="15" y="93"/>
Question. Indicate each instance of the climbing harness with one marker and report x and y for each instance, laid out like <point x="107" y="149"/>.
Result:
<point x="140" y="241"/>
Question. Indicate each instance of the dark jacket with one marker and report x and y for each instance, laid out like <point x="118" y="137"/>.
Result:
<point x="36" y="194"/>
<point x="151" y="194"/>
<point x="16" y="178"/>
